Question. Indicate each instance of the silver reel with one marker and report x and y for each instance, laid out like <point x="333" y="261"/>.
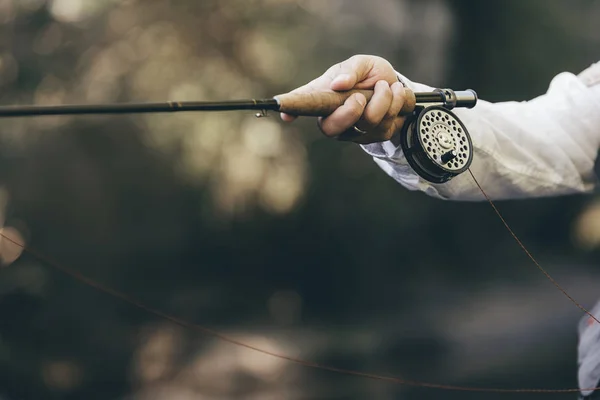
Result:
<point x="437" y="145"/>
<point x="435" y="142"/>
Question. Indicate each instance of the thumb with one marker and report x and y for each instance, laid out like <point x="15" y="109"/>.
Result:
<point x="351" y="72"/>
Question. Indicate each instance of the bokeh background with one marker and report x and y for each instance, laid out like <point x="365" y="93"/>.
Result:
<point x="269" y="232"/>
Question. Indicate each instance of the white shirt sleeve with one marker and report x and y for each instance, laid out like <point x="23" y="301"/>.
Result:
<point x="543" y="147"/>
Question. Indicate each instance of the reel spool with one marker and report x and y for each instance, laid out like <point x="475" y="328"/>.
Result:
<point x="436" y="143"/>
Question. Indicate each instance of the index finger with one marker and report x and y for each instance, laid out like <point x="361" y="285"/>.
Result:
<point x="345" y="116"/>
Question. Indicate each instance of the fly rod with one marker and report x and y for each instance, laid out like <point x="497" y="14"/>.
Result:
<point x="298" y="104"/>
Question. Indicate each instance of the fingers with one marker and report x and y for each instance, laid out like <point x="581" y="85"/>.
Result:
<point x="355" y="109"/>
<point x="398" y="99"/>
<point x="357" y="72"/>
<point x="344" y="117"/>
<point x="380" y="119"/>
<point x="340" y="77"/>
<point x="287" y="118"/>
<point x="385" y="127"/>
<point x="378" y="107"/>
<point x="317" y="84"/>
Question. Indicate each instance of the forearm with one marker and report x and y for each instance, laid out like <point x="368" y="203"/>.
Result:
<point x="543" y="147"/>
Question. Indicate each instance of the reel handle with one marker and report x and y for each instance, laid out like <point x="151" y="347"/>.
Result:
<point x="318" y="104"/>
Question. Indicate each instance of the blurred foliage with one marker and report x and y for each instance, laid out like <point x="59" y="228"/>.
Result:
<point x="266" y="231"/>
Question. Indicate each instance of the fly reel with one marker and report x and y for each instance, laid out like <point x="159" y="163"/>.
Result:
<point x="434" y="140"/>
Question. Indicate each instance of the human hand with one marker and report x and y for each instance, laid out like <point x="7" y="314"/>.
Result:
<point x="378" y="118"/>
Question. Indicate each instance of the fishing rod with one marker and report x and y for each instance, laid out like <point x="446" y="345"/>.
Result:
<point x="434" y="140"/>
<point x="300" y="104"/>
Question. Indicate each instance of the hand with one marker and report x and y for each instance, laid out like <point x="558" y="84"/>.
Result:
<point x="379" y="118"/>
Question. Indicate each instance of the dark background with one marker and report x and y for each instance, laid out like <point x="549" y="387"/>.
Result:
<point x="265" y="231"/>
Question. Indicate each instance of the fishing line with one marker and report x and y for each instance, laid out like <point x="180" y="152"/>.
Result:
<point x="294" y="360"/>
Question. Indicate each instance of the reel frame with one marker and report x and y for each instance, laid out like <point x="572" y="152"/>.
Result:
<point x="435" y="142"/>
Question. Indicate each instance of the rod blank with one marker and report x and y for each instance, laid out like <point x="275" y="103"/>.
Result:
<point x="138" y="108"/>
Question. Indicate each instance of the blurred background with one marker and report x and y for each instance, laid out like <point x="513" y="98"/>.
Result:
<point x="265" y="231"/>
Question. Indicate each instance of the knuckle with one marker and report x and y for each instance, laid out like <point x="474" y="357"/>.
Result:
<point x="387" y="89"/>
<point x="387" y="95"/>
<point x="361" y="62"/>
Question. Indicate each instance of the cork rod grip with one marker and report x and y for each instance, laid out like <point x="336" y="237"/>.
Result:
<point x="320" y="104"/>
